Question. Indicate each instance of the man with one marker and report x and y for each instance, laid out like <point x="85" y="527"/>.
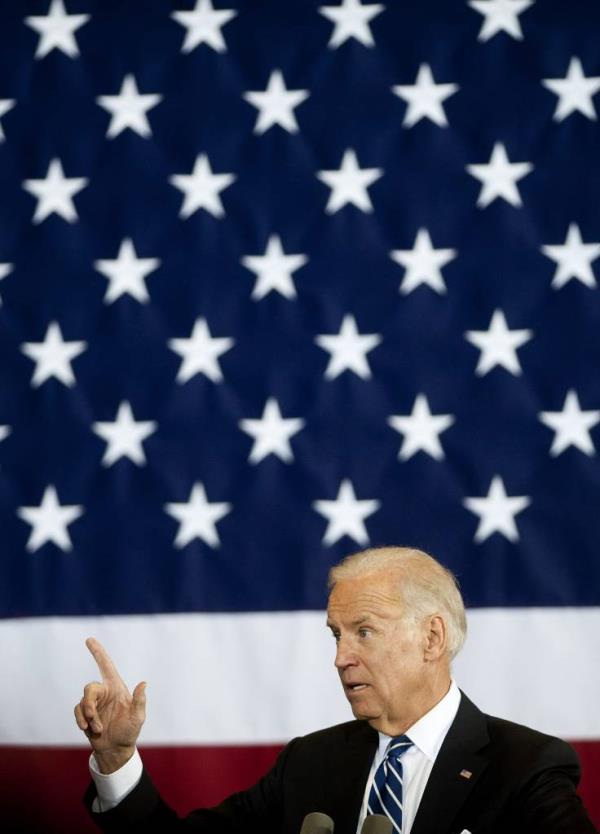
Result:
<point x="421" y="753"/>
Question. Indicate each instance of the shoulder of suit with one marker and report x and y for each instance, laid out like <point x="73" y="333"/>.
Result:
<point x="350" y="731"/>
<point x="527" y="742"/>
<point x="507" y="741"/>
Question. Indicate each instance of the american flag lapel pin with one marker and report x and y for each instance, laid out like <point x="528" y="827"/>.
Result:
<point x="466" y="774"/>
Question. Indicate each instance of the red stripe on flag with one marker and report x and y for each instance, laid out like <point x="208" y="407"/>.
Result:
<point x="589" y="787"/>
<point x="41" y="788"/>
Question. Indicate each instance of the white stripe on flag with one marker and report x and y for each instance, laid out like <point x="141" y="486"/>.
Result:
<point x="264" y="678"/>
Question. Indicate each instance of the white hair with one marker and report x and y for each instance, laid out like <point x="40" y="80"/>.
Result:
<point x="425" y="586"/>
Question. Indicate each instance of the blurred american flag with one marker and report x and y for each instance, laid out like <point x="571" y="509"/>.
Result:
<point x="280" y="281"/>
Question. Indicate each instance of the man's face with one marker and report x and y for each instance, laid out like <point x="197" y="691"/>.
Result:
<point x="379" y="658"/>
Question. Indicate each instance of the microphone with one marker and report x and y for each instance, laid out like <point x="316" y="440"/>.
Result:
<point x="376" y="824"/>
<point x="317" y="823"/>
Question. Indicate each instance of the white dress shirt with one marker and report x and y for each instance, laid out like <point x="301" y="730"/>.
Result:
<point x="427" y="736"/>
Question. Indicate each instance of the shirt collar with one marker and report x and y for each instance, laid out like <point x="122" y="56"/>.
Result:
<point x="430" y="730"/>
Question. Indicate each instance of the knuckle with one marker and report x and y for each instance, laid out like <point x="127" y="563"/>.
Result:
<point x="92" y="692"/>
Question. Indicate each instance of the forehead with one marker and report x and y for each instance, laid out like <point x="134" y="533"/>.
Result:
<point x="375" y="594"/>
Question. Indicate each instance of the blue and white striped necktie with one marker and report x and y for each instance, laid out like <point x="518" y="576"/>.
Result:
<point x="386" y="792"/>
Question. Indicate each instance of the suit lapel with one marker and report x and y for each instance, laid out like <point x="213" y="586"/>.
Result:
<point x="449" y="783"/>
<point x="347" y="786"/>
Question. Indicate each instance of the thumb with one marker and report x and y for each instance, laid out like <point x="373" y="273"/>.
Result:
<point x="139" y="700"/>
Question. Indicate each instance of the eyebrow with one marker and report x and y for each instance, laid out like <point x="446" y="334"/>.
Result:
<point x="355" y="622"/>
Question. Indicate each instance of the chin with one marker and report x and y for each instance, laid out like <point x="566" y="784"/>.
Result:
<point x="365" y="714"/>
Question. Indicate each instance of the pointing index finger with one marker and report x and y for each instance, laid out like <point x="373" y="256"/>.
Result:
<point x="107" y="668"/>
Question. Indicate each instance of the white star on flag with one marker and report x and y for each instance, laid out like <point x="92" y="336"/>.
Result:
<point x="57" y="30"/>
<point x="346" y="515"/>
<point x="423" y="264"/>
<point x="272" y="433"/>
<point x="499" y="177"/>
<point x="55" y="193"/>
<point x="5" y="269"/>
<point x="203" y="24"/>
<point x="197" y="518"/>
<point x="274" y="270"/>
<point x="571" y="426"/>
<point x="349" y="184"/>
<point x="497" y="511"/>
<point x="574" y="259"/>
<point x="348" y="349"/>
<point x="498" y="345"/>
<point x="124" y="436"/>
<point x="53" y="357"/>
<point x="200" y="353"/>
<point x="351" y="20"/>
<point x="500" y="16"/>
<point x="126" y="273"/>
<point x="421" y="430"/>
<point x="425" y="98"/>
<point x="6" y="104"/>
<point x="202" y="188"/>
<point x="276" y="104"/>
<point x="4" y="432"/>
<point x="128" y="109"/>
<point x="49" y="521"/>
<point x="574" y="91"/>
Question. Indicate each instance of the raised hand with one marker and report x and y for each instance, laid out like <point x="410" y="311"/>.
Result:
<point x="109" y="715"/>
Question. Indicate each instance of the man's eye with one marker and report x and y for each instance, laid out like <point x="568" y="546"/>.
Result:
<point x="363" y="632"/>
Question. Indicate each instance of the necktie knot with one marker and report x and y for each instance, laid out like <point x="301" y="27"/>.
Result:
<point x="398" y="747"/>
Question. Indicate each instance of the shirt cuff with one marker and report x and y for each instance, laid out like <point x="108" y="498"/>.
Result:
<point x="112" y="788"/>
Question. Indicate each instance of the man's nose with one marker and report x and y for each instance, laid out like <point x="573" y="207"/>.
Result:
<point x="344" y="655"/>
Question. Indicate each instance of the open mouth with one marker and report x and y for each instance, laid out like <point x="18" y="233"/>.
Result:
<point x="355" y="687"/>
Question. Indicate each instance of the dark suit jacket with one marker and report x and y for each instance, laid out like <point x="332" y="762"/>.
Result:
<point x="521" y="782"/>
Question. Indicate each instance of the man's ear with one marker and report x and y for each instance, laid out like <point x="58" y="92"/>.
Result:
<point x="436" y="638"/>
